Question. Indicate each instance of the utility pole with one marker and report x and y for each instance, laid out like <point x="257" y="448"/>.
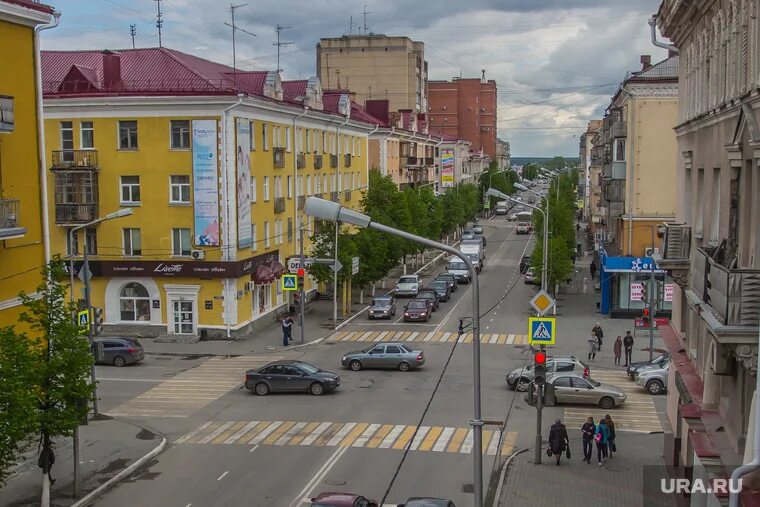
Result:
<point x="279" y="44"/>
<point x="351" y="25"/>
<point x="233" y="7"/>
<point x="652" y="285"/>
<point x="335" y="279"/>
<point x="301" y="283"/>
<point x="365" y="19"/>
<point x="159" y="23"/>
<point x="132" y="33"/>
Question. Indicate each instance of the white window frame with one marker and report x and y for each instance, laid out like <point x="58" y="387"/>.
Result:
<point x="617" y="149"/>
<point x="317" y="184"/>
<point x="308" y="184"/>
<point x="266" y="189"/>
<point x="178" y="233"/>
<point x="299" y="182"/>
<point x="63" y="129"/>
<point x="253" y="189"/>
<point x="324" y="142"/>
<point x="265" y="136"/>
<point x="130" y="187"/>
<point x="290" y="187"/>
<point x="137" y="136"/>
<point x="252" y="135"/>
<point x="130" y="252"/>
<point x="254" y="242"/>
<point x="288" y="141"/>
<point x="189" y="136"/>
<point x="82" y="130"/>
<point x="267" y="239"/>
<point x="179" y="187"/>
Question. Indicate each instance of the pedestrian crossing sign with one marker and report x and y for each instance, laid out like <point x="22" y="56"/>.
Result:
<point x="83" y="320"/>
<point x="289" y="282"/>
<point x="542" y="330"/>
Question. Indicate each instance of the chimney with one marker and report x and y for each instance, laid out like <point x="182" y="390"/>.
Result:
<point x="646" y="62"/>
<point x="483" y="75"/>
<point x="111" y="69"/>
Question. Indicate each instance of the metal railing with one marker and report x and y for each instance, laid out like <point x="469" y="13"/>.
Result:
<point x="279" y="204"/>
<point x="333" y="161"/>
<point x="732" y="293"/>
<point x="9" y="213"/>
<point x="334" y="196"/>
<point x="301" y="160"/>
<point x="75" y="213"/>
<point x="347" y="195"/>
<point x="74" y="159"/>
<point x="676" y="241"/>
<point x="317" y="161"/>
<point x="278" y="158"/>
<point x="301" y="201"/>
<point x="347" y="160"/>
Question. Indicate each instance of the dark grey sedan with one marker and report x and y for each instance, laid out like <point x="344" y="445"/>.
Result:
<point x="384" y="355"/>
<point x="443" y="289"/>
<point x="290" y="376"/>
<point x="382" y="307"/>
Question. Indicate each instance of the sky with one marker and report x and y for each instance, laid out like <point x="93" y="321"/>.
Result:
<point x="556" y="62"/>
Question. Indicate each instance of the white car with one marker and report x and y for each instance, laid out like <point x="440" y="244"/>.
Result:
<point x="522" y="228"/>
<point x="408" y="285"/>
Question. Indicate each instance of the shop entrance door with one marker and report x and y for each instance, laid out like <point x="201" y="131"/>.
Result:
<point x="183" y="317"/>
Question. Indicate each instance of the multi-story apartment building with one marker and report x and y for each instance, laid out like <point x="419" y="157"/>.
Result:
<point x="502" y="154"/>
<point x="712" y="251"/>
<point x="466" y="109"/>
<point x="376" y="66"/>
<point x="24" y="244"/>
<point x="638" y="185"/>
<point x="586" y="184"/>
<point x="215" y="165"/>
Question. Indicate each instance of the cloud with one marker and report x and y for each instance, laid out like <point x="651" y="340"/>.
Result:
<point x="556" y="62"/>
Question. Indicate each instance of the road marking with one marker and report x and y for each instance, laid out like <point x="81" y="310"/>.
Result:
<point x="265" y="433"/>
<point x="365" y="436"/>
<point x="431" y="438"/>
<point x="440" y="445"/>
<point x="223" y="475"/>
<point x="487" y="434"/>
<point x="185" y="438"/>
<point x="353" y="434"/>
<point x="254" y="448"/>
<point x="290" y="433"/>
<point x="305" y="432"/>
<point x="395" y="432"/>
<point x="419" y="437"/>
<point x="467" y="444"/>
<point x="318" y="477"/>
<point x="457" y="440"/>
<point x="276" y="434"/>
<point x="215" y="433"/>
<point x="509" y="443"/>
<point x="510" y="339"/>
<point x="242" y="431"/>
<point x="150" y="380"/>
<point x="340" y="434"/>
<point x="494" y="445"/>
<point x="378" y="437"/>
<point x="229" y="432"/>
<point x="381" y="336"/>
<point x="413" y="336"/>
<point x="403" y="440"/>
<point x="316" y="433"/>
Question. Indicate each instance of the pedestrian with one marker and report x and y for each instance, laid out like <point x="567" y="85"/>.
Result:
<point x="599" y="334"/>
<point x="587" y="432"/>
<point x="611" y="447"/>
<point x="592" y="268"/>
<point x="628" y="346"/>
<point x="287" y="328"/>
<point x="601" y="437"/>
<point x="558" y="440"/>
<point x="618" y="350"/>
<point x="593" y="343"/>
<point x="579" y="247"/>
<point x="578" y="227"/>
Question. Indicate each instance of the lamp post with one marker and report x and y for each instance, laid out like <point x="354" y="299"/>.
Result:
<point x="328" y="210"/>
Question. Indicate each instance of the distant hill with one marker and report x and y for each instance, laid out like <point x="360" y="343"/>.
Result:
<point x="540" y="160"/>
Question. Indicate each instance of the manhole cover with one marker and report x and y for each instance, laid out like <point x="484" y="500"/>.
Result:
<point x="334" y="482"/>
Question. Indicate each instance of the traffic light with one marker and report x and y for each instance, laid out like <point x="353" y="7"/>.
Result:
<point x="539" y="367"/>
<point x="301" y="274"/>
<point x="645" y="316"/>
<point x="97" y="321"/>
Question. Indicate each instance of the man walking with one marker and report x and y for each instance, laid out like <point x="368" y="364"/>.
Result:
<point x="599" y="334"/>
<point x="587" y="431"/>
<point x="592" y="268"/>
<point x="287" y="328"/>
<point x="628" y="346"/>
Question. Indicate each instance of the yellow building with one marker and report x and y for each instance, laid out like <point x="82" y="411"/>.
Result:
<point x="214" y="167"/>
<point x="23" y="243"/>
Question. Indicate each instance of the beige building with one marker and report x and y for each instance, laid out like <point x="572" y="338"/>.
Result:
<point x="376" y="67"/>
<point x="585" y="147"/>
<point x="713" y="252"/>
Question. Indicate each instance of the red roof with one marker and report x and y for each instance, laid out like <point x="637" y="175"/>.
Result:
<point x="292" y="90"/>
<point x="331" y="98"/>
<point x="30" y="4"/>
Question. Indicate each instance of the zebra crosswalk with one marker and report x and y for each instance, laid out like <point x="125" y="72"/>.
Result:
<point x="193" y="389"/>
<point x="638" y="413"/>
<point x="442" y="439"/>
<point x="434" y="337"/>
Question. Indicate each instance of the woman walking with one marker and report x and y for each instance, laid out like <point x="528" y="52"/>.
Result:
<point x="587" y="432"/>
<point x="601" y="438"/>
<point x="593" y="345"/>
<point x="618" y="350"/>
<point x="611" y="447"/>
<point x="558" y="440"/>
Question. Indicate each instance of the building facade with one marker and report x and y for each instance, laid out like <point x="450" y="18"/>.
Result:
<point x="586" y="185"/>
<point x="712" y="249"/>
<point x="215" y="169"/>
<point x="466" y="109"/>
<point x="24" y="245"/>
<point x="502" y="154"/>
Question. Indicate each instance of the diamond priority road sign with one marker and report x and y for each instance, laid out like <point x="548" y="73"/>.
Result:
<point x="542" y="302"/>
<point x="542" y="330"/>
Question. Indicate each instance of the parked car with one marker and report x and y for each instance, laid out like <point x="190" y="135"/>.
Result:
<point x="418" y="310"/>
<point x="522" y="228"/>
<point x="476" y="261"/>
<point x="432" y="296"/>
<point x="477" y="229"/>
<point x="331" y="499"/>
<point x="531" y="278"/>
<point x="443" y="289"/>
<point x="408" y="285"/>
<point x="290" y="376"/>
<point x="473" y="247"/>
<point x="427" y="502"/>
<point x="654" y="378"/>
<point x="384" y="355"/>
<point x="467" y="235"/>
<point x="459" y="269"/>
<point x="512" y="217"/>
<point x="519" y="378"/>
<point x="448" y="278"/>
<point x="382" y="307"/>
<point x="573" y="388"/>
<point x="524" y="263"/>
<point x="117" y="351"/>
<point x="634" y="367"/>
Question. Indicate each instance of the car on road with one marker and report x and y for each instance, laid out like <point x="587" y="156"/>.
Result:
<point x="418" y="310"/>
<point x="531" y="278"/>
<point x="408" y="285"/>
<point x="382" y="307"/>
<point x="448" y="278"/>
<point x="524" y="263"/>
<point x="459" y="269"/>
<point x="443" y="289"/>
<point x="653" y="378"/>
<point x="477" y="229"/>
<point x="290" y="376"/>
<point x="569" y="387"/>
<point x="512" y="217"/>
<point x="522" y="228"/>
<point x="634" y="367"/>
<point x="519" y="378"/>
<point x="117" y="351"/>
<point x="476" y="261"/>
<point x="467" y="235"/>
<point x="384" y="355"/>
<point x="432" y="296"/>
<point x="427" y="502"/>
<point x="502" y="208"/>
<point x="333" y="499"/>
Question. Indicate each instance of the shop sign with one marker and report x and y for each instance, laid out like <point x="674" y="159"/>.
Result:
<point x="243" y="177"/>
<point x="637" y="292"/>
<point x="205" y="183"/>
<point x="668" y="292"/>
<point x="447" y="168"/>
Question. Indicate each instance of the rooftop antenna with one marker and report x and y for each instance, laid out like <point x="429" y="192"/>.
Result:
<point x="132" y="33"/>
<point x="280" y="28"/>
<point x="365" y="19"/>
<point x="233" y="7"/>
<point x="351" y="25"/>
<point x="159" y="22"/>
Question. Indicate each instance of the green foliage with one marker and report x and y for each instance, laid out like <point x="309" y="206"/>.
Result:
<point x="530" y="171"/>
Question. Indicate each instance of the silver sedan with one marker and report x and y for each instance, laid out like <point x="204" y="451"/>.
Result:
<point x="573" y="388"/>
<point x="384" y="355"/>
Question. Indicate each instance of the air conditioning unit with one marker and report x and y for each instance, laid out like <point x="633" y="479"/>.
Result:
<point x="651" y="251"/>
<point x="250" y="286"/>
<point x="197" y="255"/>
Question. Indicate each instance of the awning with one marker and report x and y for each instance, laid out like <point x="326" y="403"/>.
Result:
<point x="277" y="269"/>
<point x="263" y="274"/>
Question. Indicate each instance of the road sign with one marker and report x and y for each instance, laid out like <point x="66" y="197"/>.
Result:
<point x="84" y="274"/>
<point x="289" y="282"/>
<point x="294" y="263"/>
<point x="336" y="266"/>
<point x="542" y="330"/>
<point x="83" y="321"/>
<point x="542" y="302"/>
<point x="354" y="265"/>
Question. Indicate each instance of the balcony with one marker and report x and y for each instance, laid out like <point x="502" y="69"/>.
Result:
<point x="74" y="159"/>
<point x="73" y="214"/>
<point x="317" y="161"/>
<point x="301" y="160"/>
<point x="347" y="195"/>
<point x="333" y="161"/>
<point x="347" y="160"/>
<point x="405" y="161"/>
<point x="9" y="219"/>
<point x="301" y="201"/>
<point x="334" y="196"/>
<point x="279" y="204"/>
<point x="674" y="251"/>
<point x="76" y="196"/>
<point x="278" y="158"/>
<point x="429" y="161"/>
<point x="618" y="129"/>
<point x="613" y="190"/>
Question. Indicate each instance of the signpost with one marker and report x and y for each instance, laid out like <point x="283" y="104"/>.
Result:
<point x="294" y="263"/>
<point x="542" y="302"/>
<point x="289" y="282"/>
<point x="83" y="320"/>
<point x="542" y="330"/>
<point x="354" y="265"/>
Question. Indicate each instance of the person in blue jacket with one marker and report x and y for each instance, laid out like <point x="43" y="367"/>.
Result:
<point x="601" y="438"/>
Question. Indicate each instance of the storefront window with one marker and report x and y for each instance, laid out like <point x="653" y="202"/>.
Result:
<point x="632" y="291"/>
<point x="265" y="297"/>
<point x="134" y="303"/>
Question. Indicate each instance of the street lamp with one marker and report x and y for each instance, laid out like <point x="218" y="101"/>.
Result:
<point x="328" y="210"/>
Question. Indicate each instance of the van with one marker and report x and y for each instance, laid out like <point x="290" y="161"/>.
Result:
<point x="525" y="216"/>
<point x="502" y="208"/>
<point x="474" y="248"/>
<point x="459" y="269"/>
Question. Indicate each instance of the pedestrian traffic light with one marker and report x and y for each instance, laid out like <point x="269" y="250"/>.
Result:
<point x="645" y="316"/>
<point x="97" y="321"/>
<point x="301" y="274"/>
<point x="539" y="367"/>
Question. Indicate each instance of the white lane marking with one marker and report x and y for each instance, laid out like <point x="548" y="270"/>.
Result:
<point x="440" y="445"/>
<point x="413" y="336"/>
<point x="445" y="337"/>
<point x="254" y="448"/>
<point x="193" y="433"/>
<point x="461" y="338"/>
<point x="293" y="431"/>
<point x="315" y="434"/>
<point x="380" y="337"/>
<point x="467" y="444"/>
<point x="265" y="433"/>
<point x="429" y="336"/>
<point x="151" y="380"/>
<point x="510" y="339"/>
<point x="242" y="431"/>
<point x="365" y="336"/>
<point x="305" y="494"/>
<point x="493" y="447"/>
<point x="423" y="431"/>
<point x="494" y="338"/>
<point x="392" y="436"/>
<point x="215" y="433"/>
<point x="223" y="475"/>
<point x="340" y="434"/>
<point x="365" y="436"/>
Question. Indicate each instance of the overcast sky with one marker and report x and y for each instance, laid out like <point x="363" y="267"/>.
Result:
<point x="556" y="62"/>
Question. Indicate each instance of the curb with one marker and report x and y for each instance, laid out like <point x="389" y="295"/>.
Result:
<point x="306" y="344"/>
<point x="502" y="475"/>
<point x="113" y="481"/>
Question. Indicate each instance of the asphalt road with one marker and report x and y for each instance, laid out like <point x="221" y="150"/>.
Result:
<point x="239" y="449"/>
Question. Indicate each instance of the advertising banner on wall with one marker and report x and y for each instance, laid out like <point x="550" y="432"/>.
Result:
<point x="447" y="168"/>
<point x="637" y="292"/>
<point x="205" y="183"/>
<point x="668" y="292"/>
<point x="243" y="176"/>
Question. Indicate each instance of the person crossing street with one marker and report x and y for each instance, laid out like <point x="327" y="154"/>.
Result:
<point x="558" y="440"/>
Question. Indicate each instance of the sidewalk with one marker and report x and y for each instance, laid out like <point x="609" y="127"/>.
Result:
<point x="107" y="447"/>
<point x="617" y="483"/>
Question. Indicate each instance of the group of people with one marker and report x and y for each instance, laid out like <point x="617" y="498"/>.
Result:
<point x="622" y="344"/>
<point x="601" y="434"/>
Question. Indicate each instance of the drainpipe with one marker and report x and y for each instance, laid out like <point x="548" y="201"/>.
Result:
<point x="337" y="225"/>
<point x="669" y="47"/>
<point x="384" y="157"/>
<point x="295" y="178"/>
<point x="338" y="183"/>
<point x="629" y="166"/>
<point x="755" y="463"/>
<point x="41" y="135"/>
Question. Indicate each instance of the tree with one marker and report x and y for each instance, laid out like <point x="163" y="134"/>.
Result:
<point x="530" y="171"/>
